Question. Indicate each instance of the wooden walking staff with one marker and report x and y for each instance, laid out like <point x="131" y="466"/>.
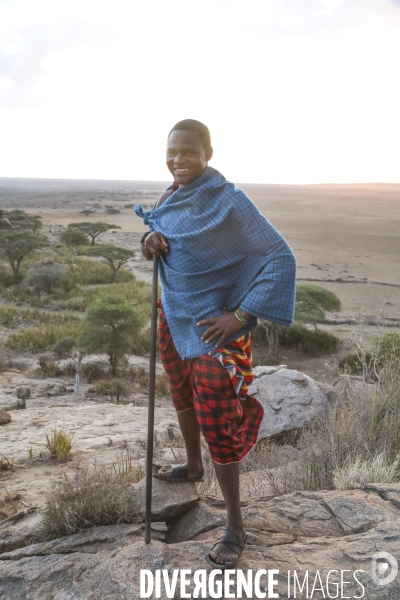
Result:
<point x="152" y="385"/>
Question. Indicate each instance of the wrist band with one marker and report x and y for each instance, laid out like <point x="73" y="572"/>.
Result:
<point x="239" y="316"/>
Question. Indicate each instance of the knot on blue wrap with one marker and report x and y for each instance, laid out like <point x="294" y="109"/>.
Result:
<point x="141" y="214"/>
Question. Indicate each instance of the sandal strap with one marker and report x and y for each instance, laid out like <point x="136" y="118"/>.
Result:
<point x="179" y="471"/>
<point x="232" y="541"/>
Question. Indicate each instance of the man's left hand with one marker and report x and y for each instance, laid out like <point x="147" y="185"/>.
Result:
<point x="221" y="327"/>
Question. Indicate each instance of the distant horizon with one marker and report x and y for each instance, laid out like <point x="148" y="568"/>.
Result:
<point x="167" y="181"/>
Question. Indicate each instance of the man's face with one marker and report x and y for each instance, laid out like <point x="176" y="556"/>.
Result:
<point x="186" y="157"/>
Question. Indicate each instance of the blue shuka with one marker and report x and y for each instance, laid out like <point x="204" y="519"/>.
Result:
<point x="222" y="254"/>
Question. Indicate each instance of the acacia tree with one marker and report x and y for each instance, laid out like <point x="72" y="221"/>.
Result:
<point x="23" y="220"/>
<point x="93" y="230"/>
<point x="17" y="243"/>
<point x="113" y="256"/>
<point x="110" y="326"/>
<point x="73" y="238"/>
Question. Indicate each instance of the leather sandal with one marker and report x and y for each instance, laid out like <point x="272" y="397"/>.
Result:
<point x="179" y="475"/>
<point x="232" y="541"/>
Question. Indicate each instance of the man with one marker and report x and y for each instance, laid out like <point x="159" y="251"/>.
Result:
<point x="4" y="222"/>
<point x="222" y="265"/>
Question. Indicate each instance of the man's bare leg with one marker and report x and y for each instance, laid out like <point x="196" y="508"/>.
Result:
<point x="191" y="434"/>
<point x="228" y="479"/>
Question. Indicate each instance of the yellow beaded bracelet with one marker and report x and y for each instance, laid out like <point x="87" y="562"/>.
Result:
<point x="239" y="316"/>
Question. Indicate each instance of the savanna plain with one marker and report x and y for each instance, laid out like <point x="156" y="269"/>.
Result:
<point x="345" y="238"/>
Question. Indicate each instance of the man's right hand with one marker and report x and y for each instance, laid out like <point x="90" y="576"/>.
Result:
<point x="155" y="244"/>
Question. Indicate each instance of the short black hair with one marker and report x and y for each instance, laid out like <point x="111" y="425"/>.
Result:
<point x="192" y="125"/>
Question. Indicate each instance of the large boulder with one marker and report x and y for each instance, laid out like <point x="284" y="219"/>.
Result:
<point x="290" y="399"/>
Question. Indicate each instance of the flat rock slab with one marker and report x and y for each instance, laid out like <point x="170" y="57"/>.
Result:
<point x="290" y="400"/>
<point x="18" y="530"/>
<point x="93" y="426"/>
<point x="101" y="432"/>
<point x="115" y="575"/>
<point x="92" y="541"/>
<point x="300" y="514"/>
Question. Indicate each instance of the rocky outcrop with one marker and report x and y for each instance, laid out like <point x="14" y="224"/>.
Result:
<point x="314" y="532"/>
<point x="290" y="399"/>
<point x="92" y="541"/>
<point x="168" y="500"/>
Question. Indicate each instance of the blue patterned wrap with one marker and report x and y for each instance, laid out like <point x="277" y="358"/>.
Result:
<point x="222" y="253"/>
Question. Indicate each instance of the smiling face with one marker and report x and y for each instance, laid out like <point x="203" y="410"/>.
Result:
<point x="186" y="156"/>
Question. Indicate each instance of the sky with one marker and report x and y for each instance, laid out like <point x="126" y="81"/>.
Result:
<point x="293" y="91"/>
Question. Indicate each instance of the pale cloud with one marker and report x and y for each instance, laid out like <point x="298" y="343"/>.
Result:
<point x="31" y="31"/>
<point x="307" y="89"/>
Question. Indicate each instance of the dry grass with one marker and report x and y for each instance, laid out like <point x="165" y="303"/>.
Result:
<point x="210" y="484"/>
<point x="92" y="372"/>
<point x="355" y="473"/>
<point x="127" y="470"/>
<point x="92" y="496"/>
<point x="355" y="442"/>
<point x="5" y="463"/>
<point x="140" y="376"/>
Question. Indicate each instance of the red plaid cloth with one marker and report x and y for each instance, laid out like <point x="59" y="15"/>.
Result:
<point x="228" y="424"/>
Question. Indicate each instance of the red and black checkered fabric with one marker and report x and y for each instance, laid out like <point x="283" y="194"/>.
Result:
<point x="229" y="425"/>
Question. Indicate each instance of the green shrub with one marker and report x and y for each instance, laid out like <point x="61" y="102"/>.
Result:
<point x="353" y="363"/>
<point x="115" y="388"/>
<point x="7" y="279"/>
<point x="13" y="317"/>
<point x="92" y="372"/>
<point x="388" y="347"/>
<point x="49" y="280"/>
<point x="7" y="316"/>
<point x="139" y="375"/>
<point x="137" y="293"/>
<point x="36" y="339"/>
<point x="63" y="348"/>
<point x="90" y="272"/>
<point x="142" y="342"/>
<point x="382" y="351"/>
<point x="95" y="272"/>
<point x="311" y="342"/>
<point x="49" y="369"/>
<point x="312" y="301"/>
<point x="259" y="334"/>
<point x="69" y="369"/>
